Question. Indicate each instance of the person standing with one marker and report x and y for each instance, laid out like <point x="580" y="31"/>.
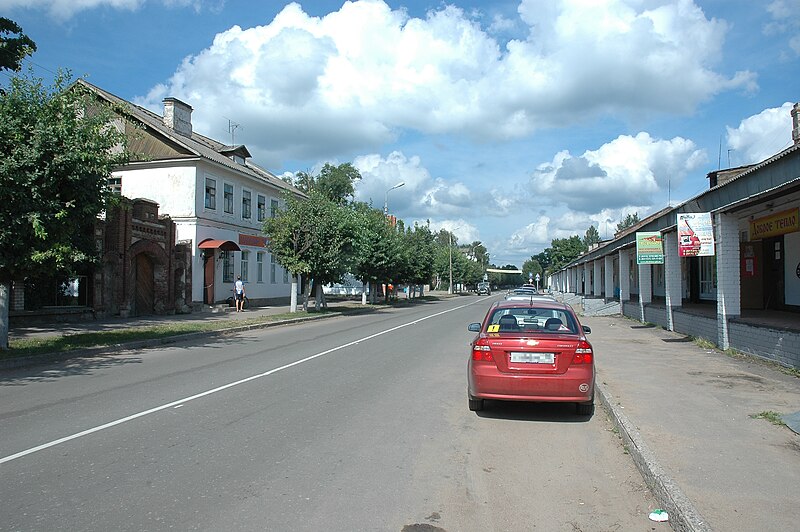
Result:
<point x="238" y="294"/>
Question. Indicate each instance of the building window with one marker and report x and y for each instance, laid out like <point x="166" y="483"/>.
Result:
<point x="272" y="268"/>
<point x="273" y="206"/>
<point x="246" y="204"/>
<point x="228" y="198"/>
<point x="211" y="193"/>
<point x="245" y="265"/>
<point x="262" y="208"/>
<point x="115" y="185"/>
<point x="708" y="278"/>
<point x="260" y="266"/>
<point x="227" y="266"/>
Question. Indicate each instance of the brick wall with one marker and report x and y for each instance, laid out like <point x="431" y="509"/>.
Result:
<point x="773" y="344"/>
<point x="695" y="325"/>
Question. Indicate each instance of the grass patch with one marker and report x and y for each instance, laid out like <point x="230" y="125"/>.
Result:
<point x="769" y="415"/>
<point x="703" y="343"/>
<point x="60" y="344"/>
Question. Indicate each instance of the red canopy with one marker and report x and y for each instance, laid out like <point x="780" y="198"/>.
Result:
<point x="224" y="245"/>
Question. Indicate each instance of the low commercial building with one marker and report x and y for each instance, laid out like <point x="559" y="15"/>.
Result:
<point x="744" y="296"/>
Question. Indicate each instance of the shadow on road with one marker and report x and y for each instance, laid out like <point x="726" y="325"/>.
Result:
<point x="521" y="411"/>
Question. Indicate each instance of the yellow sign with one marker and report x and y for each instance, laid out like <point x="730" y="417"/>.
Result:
<point x="493" y="328"/>
<point x="776" y="224"/>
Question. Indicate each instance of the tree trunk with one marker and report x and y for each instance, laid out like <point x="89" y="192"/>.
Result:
<point x="306" y="293"/>
<point x="317" y="295"/>
<point x="364" y="284"/>
<point x="293" y="297"/>
<point x="5" y="299"/>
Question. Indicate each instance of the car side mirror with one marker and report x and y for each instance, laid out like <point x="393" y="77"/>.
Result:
<point x="587" y="329"/>
<point x="474" y="327"/>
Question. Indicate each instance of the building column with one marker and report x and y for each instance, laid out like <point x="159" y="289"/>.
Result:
<point x="598" y="282"/>
<point x="672" y="276"/>
<point x="729" y="294"/>
<point x="624" y="275"/>
<point x="587" y="276"/>
<point x="573" y="280"/>
<point x="645" y="287"/>
<point x="609" y="277"/>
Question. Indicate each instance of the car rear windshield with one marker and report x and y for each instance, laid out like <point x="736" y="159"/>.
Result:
<point x="531" y="319"/>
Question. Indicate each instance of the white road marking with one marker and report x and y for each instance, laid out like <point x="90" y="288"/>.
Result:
<point x="180" y="402"/>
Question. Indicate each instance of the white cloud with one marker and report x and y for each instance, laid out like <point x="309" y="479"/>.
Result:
<point x="626" y="171"/>
<point x="318" y="87"/>
<point x="763" y="135"/>
<point x="785" y="20"/>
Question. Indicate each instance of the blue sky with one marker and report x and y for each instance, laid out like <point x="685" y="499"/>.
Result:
<point x="510" y="122"/>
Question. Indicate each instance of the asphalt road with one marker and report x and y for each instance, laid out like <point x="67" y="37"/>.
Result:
<point x="353" y="423"/>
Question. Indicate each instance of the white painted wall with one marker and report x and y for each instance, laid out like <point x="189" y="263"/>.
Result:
<point x="180" y="192"/>
<point x="791" y="266"/>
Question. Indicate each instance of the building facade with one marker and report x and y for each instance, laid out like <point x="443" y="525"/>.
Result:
<point x="216" y="196"/>
<point x="746" y="296"/>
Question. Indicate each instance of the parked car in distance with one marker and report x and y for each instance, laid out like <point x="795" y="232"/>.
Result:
<point x="484" y="289"/>
<point x="533" y="351"/>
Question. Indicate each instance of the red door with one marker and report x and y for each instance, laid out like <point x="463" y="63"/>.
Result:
<point x="208" y="279"/>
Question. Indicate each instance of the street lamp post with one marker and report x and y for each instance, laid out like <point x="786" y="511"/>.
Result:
<point x="386" y="197"/>
<point x="450" y="233"/>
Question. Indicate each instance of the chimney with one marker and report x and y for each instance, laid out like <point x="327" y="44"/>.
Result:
<point x="178" y="116"/>
<point x="796" y="124"/>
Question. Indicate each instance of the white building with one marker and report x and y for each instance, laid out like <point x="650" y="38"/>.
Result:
<point x="215" y="195"/>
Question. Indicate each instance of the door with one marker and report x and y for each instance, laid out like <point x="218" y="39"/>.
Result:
<point x="145" y="285"/>
<point x="208" y="277"/>
<point x="773" y="272"/>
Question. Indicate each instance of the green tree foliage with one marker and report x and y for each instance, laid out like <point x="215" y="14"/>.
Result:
<point x="380" y="246"/>
<point x="629" y="221"/>
<point x="421" y="253"/>
<point x="314" y="236"/>
<point x="531" y="267"/>
<point x="57" y="149"/>
<point x="14" y="45"/>
<point x="592" y="237"/>
<point x="337" y="183"/>
<point x="565" y="250"/>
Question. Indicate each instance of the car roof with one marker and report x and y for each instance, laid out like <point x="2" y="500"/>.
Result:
<point x="539" y="303"/>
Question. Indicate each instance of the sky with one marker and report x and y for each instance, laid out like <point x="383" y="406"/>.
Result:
<point x="509" y="122"/>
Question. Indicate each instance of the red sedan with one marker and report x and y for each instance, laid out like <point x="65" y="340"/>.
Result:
<point x="531" y="351"/>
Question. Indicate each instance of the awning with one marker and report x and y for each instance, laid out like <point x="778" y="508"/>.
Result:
<point x="224" y="245"/>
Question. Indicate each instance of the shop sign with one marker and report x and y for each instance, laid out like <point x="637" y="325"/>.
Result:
<point x="252" y="240"/>
<point x="649" y="248"/>
<point x="776" y="224"/>
<point x="695" y="234"/>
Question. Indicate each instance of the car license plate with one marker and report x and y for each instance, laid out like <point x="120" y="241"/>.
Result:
<point x="533" y="358"/>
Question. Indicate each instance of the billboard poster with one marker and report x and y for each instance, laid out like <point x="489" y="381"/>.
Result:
<point x="649" y="248"/>
<point x="695" y="234"/>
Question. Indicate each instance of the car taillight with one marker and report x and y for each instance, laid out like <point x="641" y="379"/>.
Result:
<point x="481" y="352"/>
<point x="583" y="353"/>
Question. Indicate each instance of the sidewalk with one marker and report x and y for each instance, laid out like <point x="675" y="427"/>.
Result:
<point x="684" y="413"/>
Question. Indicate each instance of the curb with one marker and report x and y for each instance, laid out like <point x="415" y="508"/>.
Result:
<point x="683" y="516"/>
<point x="89" y="352"/>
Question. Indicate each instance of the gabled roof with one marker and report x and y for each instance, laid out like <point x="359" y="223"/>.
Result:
<point x="195" y="146"/>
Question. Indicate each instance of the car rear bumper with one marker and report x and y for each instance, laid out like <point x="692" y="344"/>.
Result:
<point x="576" y="385"/>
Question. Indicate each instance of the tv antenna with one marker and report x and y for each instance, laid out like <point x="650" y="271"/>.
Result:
<point x="232" y="127"/>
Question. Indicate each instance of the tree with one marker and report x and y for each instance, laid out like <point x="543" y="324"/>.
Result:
<point x="334" y="182"/>
<point x="313" y="236"/>
<point x="379" y="246"/>
<point x="565" y="250"/>
<point x="57" y="149"/>
<point x="13" y="49"/>
<point x="531" y="267"/>
<point x="592" y="237"/>
<point x="629" y="221"/>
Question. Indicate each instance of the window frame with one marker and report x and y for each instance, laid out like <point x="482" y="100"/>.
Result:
<point x="210" y="201"/>
<point x="247" y="204"/>
<point x="228" y="200"/>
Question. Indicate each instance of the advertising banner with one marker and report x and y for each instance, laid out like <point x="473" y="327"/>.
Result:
<point x="780" y="223"/>
<point x="649" y="248"/>
<point x="695" y="234"/>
